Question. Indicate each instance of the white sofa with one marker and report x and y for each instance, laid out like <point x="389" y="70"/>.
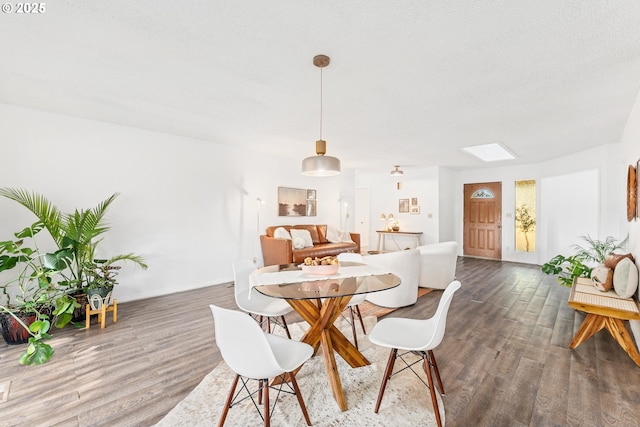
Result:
<point x="437" y="264"/>
<point x="404" y="264"/>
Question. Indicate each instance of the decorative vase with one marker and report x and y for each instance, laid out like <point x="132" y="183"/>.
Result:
<point x="396" y="228"/>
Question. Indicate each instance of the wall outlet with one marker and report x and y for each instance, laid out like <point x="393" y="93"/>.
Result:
<point x="255" y="260"/>
<point x="430" y="215"/>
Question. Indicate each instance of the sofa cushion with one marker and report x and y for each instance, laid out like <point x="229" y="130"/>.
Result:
<point x="281" y="233"/>
<point x="625" y="278"/>
<point x="322" y="233"/>
<point x="312" y="229"/>
<point x="301" y="238"/>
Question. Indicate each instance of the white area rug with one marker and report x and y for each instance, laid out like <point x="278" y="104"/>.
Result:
<point x="406" y="400"/>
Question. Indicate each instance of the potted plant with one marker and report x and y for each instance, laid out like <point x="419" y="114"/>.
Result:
<point x="581" y="263"/>
<point x="29" y="294"/>
<point x="525" y="222"/>
<point x="77" y="233"/>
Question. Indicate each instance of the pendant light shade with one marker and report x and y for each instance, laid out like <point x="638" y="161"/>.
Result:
<point x="320" y="164"/>
<point x="396" y="171"/>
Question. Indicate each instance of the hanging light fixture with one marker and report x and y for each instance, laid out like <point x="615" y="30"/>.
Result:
<point x="396" y="171"/>
<point x="321" y="165"/>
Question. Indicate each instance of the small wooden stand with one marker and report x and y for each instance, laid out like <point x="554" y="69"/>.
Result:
<point x="100" y="307"/>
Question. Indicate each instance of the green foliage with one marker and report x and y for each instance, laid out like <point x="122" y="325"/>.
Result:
<point x="569" y="267"/>
<point x="37" y="351"/>
<point x="76" y="234"/>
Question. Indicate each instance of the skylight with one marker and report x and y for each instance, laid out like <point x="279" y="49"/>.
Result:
<point x="490" y="152"/>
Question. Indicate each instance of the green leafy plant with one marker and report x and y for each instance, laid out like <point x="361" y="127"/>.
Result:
<point x="37" y="351"/>
<point x="577" y="265"/>
<point x="79" y="233"/>
<point x="32" y="289"/>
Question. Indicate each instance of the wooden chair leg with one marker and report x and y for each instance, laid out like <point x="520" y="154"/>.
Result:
<point x="267" y="415"/>
<point x="261" y="384"/>
<point x="432" y="390"/>
<point x="353" y="328"/>
<point x="361" y="321"/>
<point x="268" y="325"/>
<point x="227" y="404"/>
<point x="387" y="373"/>
<point x="435" y="369"/>
<point x="286" y="328"/>
<point x="294" y="383"/>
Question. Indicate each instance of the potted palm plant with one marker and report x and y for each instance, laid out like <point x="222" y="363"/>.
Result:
<point x="78" y="233"/>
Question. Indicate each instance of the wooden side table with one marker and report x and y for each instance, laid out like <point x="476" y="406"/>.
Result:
<point x="604" y="310"/>
<point x="382" y="234"/>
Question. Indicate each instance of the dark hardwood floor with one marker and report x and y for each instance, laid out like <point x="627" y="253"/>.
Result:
<point x="504" y="359"/>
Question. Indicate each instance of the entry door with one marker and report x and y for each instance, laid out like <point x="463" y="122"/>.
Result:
<point x="483" y="220"/>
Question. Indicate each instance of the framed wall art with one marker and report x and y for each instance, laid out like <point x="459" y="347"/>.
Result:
<point x="292" y="201"/>
<point x="403" y="206"/>
<point x="414" y="210"/>
<point x="414" y="201"/>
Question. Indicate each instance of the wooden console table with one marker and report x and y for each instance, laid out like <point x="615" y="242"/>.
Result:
<point x="382" y="233"/>
<point x="604" y="310"/>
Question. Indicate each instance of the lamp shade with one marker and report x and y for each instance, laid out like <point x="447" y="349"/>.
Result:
<point x="321" y="166"/>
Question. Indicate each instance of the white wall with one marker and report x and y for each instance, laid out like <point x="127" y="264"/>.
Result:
<point x="188" y="206"/>
<point x="583" y="182"/>
<point x="384" y="198"/>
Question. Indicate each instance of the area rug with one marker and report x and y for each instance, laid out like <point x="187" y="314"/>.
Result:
<point x="406" y="400"/>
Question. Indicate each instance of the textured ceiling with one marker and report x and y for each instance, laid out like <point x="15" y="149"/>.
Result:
<point x="409" y="82"/>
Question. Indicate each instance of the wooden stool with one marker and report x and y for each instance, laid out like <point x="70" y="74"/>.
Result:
<point x="98" y="305"/>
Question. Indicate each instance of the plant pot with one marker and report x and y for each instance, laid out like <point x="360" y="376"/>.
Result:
<point x="80" y="312"/>
<point x="102" y="293"/>
<point x="12" y="331"/>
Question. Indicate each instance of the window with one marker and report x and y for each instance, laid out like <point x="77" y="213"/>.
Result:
<point x="525" y="218"/>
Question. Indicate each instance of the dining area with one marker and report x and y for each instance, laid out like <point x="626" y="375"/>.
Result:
<point x="326" y="299"/>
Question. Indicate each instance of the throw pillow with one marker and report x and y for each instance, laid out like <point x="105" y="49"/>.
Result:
<point x="304" y="235"/>
<point x="613" y="259"/>
<point x="281" y="233"/>
<point x="333" y="234"/>
<point x="625" y="278"/>
<point x="297" y="242"/>
<point x="602" y="278"/>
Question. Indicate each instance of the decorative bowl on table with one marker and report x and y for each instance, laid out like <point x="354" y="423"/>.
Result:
<point x="320" y="270"/>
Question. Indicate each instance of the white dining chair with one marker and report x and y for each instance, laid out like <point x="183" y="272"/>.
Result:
<point x="261" y="307"/>
<point x="255" y="355"/>
<point x="353" y="305"/>
<point x="415" y="336"/>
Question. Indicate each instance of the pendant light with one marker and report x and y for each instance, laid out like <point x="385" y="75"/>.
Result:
<point x="396" y="171"/>
<point x="321" y="165"/>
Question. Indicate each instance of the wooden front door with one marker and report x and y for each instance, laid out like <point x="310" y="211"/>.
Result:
<point x="483" y="220"/>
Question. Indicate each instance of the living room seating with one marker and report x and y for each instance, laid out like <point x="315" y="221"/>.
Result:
<point x="279" y="246"/>
<point x="404" y="264"/>
<point x="437" y="264"/>
<point x="411" y="336"/>
<point x="255" y="355"/>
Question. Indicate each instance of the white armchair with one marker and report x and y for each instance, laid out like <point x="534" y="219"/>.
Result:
<point x="404" y="264"/>
<point x="437" y="264"/>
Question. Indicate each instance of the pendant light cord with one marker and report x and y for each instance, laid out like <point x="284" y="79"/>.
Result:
<point x="321" y="103"/>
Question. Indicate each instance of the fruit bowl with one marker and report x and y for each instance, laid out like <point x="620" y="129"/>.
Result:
<point x="320" y="270"/>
